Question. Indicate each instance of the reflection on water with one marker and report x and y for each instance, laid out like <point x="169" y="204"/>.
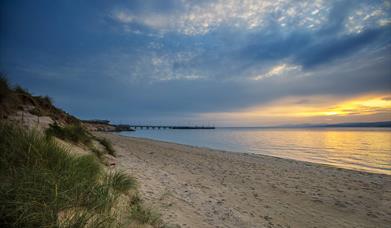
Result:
<point x="367" y="149"/>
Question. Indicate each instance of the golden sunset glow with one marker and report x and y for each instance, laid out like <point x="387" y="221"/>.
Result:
<point x="318" y="108"/>
<point x="356" y="106"/>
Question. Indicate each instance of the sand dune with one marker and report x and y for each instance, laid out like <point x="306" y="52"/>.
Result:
<point x="198" y="187"/>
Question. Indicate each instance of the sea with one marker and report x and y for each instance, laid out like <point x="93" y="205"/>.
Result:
<point x="364" y="149"/>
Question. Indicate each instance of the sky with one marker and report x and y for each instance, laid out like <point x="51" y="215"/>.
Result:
<point x="215" y="62"/>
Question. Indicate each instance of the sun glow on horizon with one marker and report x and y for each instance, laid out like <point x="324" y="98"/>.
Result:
<point x="318" y="108"/>
<point x="356" y="106"/>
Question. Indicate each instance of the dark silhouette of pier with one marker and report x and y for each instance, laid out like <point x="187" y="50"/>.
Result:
<point x="161" y="127"/>
<point x="133" y="127"/>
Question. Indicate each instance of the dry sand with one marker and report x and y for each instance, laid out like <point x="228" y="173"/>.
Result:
<point x="199" y="187"/>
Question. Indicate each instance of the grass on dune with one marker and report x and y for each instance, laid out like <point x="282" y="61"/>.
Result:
<point x="76" y="133"/>
<point x="73" y="132"/>
<point x="145" y="215"/>
<point x="4" y="87"/>
<point x="8" y="100"/>
<point x="107" y="144"/>
<point x="42" y="185"/>
<point x="16" y="98"/>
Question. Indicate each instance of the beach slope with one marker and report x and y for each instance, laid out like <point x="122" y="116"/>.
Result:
<point x="199" y="187"/>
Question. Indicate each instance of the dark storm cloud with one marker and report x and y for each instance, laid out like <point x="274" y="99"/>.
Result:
<point x="334" y="48"/>
<point x="309" y="49"/>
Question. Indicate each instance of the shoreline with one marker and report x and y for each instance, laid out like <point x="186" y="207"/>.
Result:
<point x="249" y="153"/>
<point x="201" y="187"/>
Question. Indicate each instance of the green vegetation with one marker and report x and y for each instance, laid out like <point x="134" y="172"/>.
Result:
<point x="8" y="100"/>
<point x="145" y="215"/>
<point x="77" y="134"/>
<point x="14" y="99"/>
<point x="4" y="87"/>
<point x="74" y="133"/>
<point x="42" y="185"/>
<point x="36" y="111"/>
<point x="21" y="90"/>
<point x="66" y="127"/>
<point x="107" y="144"/>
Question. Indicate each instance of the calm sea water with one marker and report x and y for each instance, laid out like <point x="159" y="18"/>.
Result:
<point x="366" y="149"/>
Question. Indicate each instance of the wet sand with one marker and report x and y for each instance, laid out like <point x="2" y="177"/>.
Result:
<point x="200" y="187"/>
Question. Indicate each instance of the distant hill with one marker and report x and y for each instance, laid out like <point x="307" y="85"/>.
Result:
<point x="16" y="101"/>
<point x="17" y="104"/>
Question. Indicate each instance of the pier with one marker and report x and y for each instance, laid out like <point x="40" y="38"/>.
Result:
<point x="101" y="124"/>
<point x="162" y="127"/>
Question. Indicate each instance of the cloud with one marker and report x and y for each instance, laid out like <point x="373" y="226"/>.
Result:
<point x="368" y="16"/>
<point x="278" y="70"/>
<point x="201" y="17"/>
<point x="336" y="47"/>
<point x="206" y="16"/>
<point x="306" y="34"/>
<point x="123" y="17"/>
<point x="179" y="59"/>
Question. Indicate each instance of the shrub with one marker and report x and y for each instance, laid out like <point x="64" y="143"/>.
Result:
<point x="4" y="88"/>
<point x="36" y="111"/>
<point x="44" y="101"/>
<point x="145" y="215"/>
<point x="107" y="144"/>
<point x="120" y="182"/>
<point x="8" y="100"/>
<point x="72" y="132"/>
<point x="22" y="91"/>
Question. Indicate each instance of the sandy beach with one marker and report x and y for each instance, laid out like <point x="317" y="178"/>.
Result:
<point x="200" y="187"/>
